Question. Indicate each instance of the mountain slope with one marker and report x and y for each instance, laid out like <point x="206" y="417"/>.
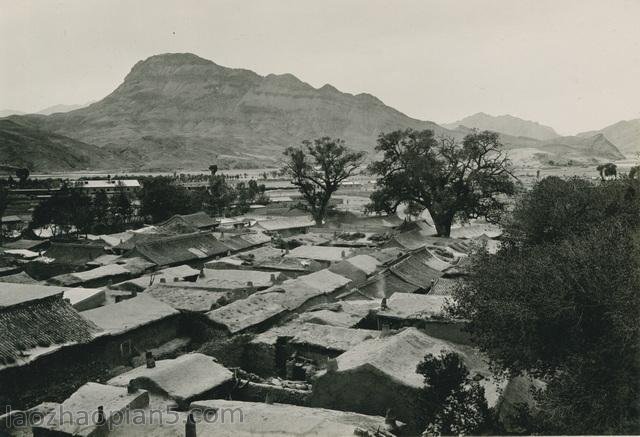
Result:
<point x="624" y="134"/>
<point x="506" y="124"/>
<point x="185" y="109"/>
<point x="27" y="146"/>
<point x="60" y="108"/>
<point x="179" y="111"/>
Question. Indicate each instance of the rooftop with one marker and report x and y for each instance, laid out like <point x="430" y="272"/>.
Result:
<point x="129" y="314"/>
<point x="183" y="378"/>
<point x="414" y="306"/>
<point x="185" y="298"/>
<point x="320" y="253"/>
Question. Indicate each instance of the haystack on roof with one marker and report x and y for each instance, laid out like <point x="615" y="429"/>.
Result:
<point x="320" y="253"/>
<point x="35" y="320"/>
<point x="181" y="248"/>
<point x="186" y="298"/>
<point x="129" y="314"/>
<point x="182" y="379"/>
<point x="84" y="403"/>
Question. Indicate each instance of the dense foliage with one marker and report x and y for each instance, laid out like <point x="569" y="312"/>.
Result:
<point x="450" y="180"/>
<point x="453" y="403"/>
<point x="561" y="301"/>
<point x="318" y="169"/>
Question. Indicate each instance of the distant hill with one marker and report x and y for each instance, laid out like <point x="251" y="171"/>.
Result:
<point x="27" y="146"/>
<point x="60" y="108"/>
<point x="506" y="124"/>
<point x="8" y="112"/>
<point x="624" y="134"/>
<point x="180" y="111"/>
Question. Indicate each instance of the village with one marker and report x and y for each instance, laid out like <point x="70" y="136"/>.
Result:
<point x="266" y="312"/>
<point x="319" y="218"/>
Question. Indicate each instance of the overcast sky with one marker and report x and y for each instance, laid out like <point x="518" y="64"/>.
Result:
<point x="574" y="65"/>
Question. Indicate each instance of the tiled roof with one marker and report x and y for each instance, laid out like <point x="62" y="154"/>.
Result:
<point x="412" y="270"/>
<point x="445" y="286"/>
<point x="385" y="284"/>
<point x="74" y="253"/>
<point x="181" y="248"/>
<point x="31" y="327"/>
<point x="320" y="253"/>
<point x="283" y="223"/>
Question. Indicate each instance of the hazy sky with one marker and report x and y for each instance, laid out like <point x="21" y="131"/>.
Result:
<point x="574" y="65"/>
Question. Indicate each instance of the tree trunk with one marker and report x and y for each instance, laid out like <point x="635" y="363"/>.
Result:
<point x="443" y="225"/>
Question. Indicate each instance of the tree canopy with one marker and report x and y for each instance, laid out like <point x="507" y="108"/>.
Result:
<point x="561" y="301"/>
<point x="318" y="168"/>
<point x="450" y="180"/>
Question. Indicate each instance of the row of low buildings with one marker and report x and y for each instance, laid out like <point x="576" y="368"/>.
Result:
<point x="184" y="316"/>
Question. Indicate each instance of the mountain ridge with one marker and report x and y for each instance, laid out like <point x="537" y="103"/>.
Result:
<point x="507" y="124"/>
<point x="181" y="111"/>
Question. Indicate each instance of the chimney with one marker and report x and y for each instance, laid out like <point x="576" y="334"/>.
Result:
<point x="385" y="330"/>
<point x="383" y="304"/>
<point x="343" y="254"/>
<point x="272" y="278"/>
<point x="221" y="235"/>
<point x="163" y="280"/>
<point x="190" y="426"/>
<point x="332" y="365"/>
<point x="151" y="362"/>
<point x="201" y="275"/>
<point x="249" y="283"/>
<point x="176" y="279"/>
<point x="134" y="293"/>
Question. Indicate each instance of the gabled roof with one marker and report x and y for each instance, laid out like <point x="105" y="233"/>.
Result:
<point x="445" y="286"/>
<point x="262" y="419"/>
<point x="127" y="267"/>
<point x="25" y="244"/>
<point x="412" y="270"/>
<point x="186" y="298"/>
<point x="320" y="253"/>
<point x="84" y="403"/>
<point x="199" y="220"/>
<point x="334" y="338"/>
<point x="77" y="254"/>
<point x="356" y="268"/>
<point x="182" y="378"/>
<point x="129" y="314"/>
<point x="181" y="248"/>
<point x="169" y="274"/>
<point x="345" y="314"/>
<point x="414" y="307"/>
<point x="397" y="357"/>
<point x="385" y="284"/>
<point x="283" y="223"/>
<point x="19" y="278"/>
<point x="35" y="321"/>
<point x="232" y="279"/>
<point x="245" y="313"/>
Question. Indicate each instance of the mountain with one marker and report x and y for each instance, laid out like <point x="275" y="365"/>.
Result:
<point x="8" y="112"/>
<point x="60" y="108"/>
<point x="179" y="110"/>
<point x="506" y="124"/>
<point x="624" y="134"/>
<point x="25" y="145"/>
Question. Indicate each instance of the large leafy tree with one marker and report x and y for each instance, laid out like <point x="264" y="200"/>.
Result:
<point x="161" y="198"/>
<point x="561" y="301"/>
<point x="452" y="402"/>
<point x="450" y="180"/>
<point x="317" y="169"/>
